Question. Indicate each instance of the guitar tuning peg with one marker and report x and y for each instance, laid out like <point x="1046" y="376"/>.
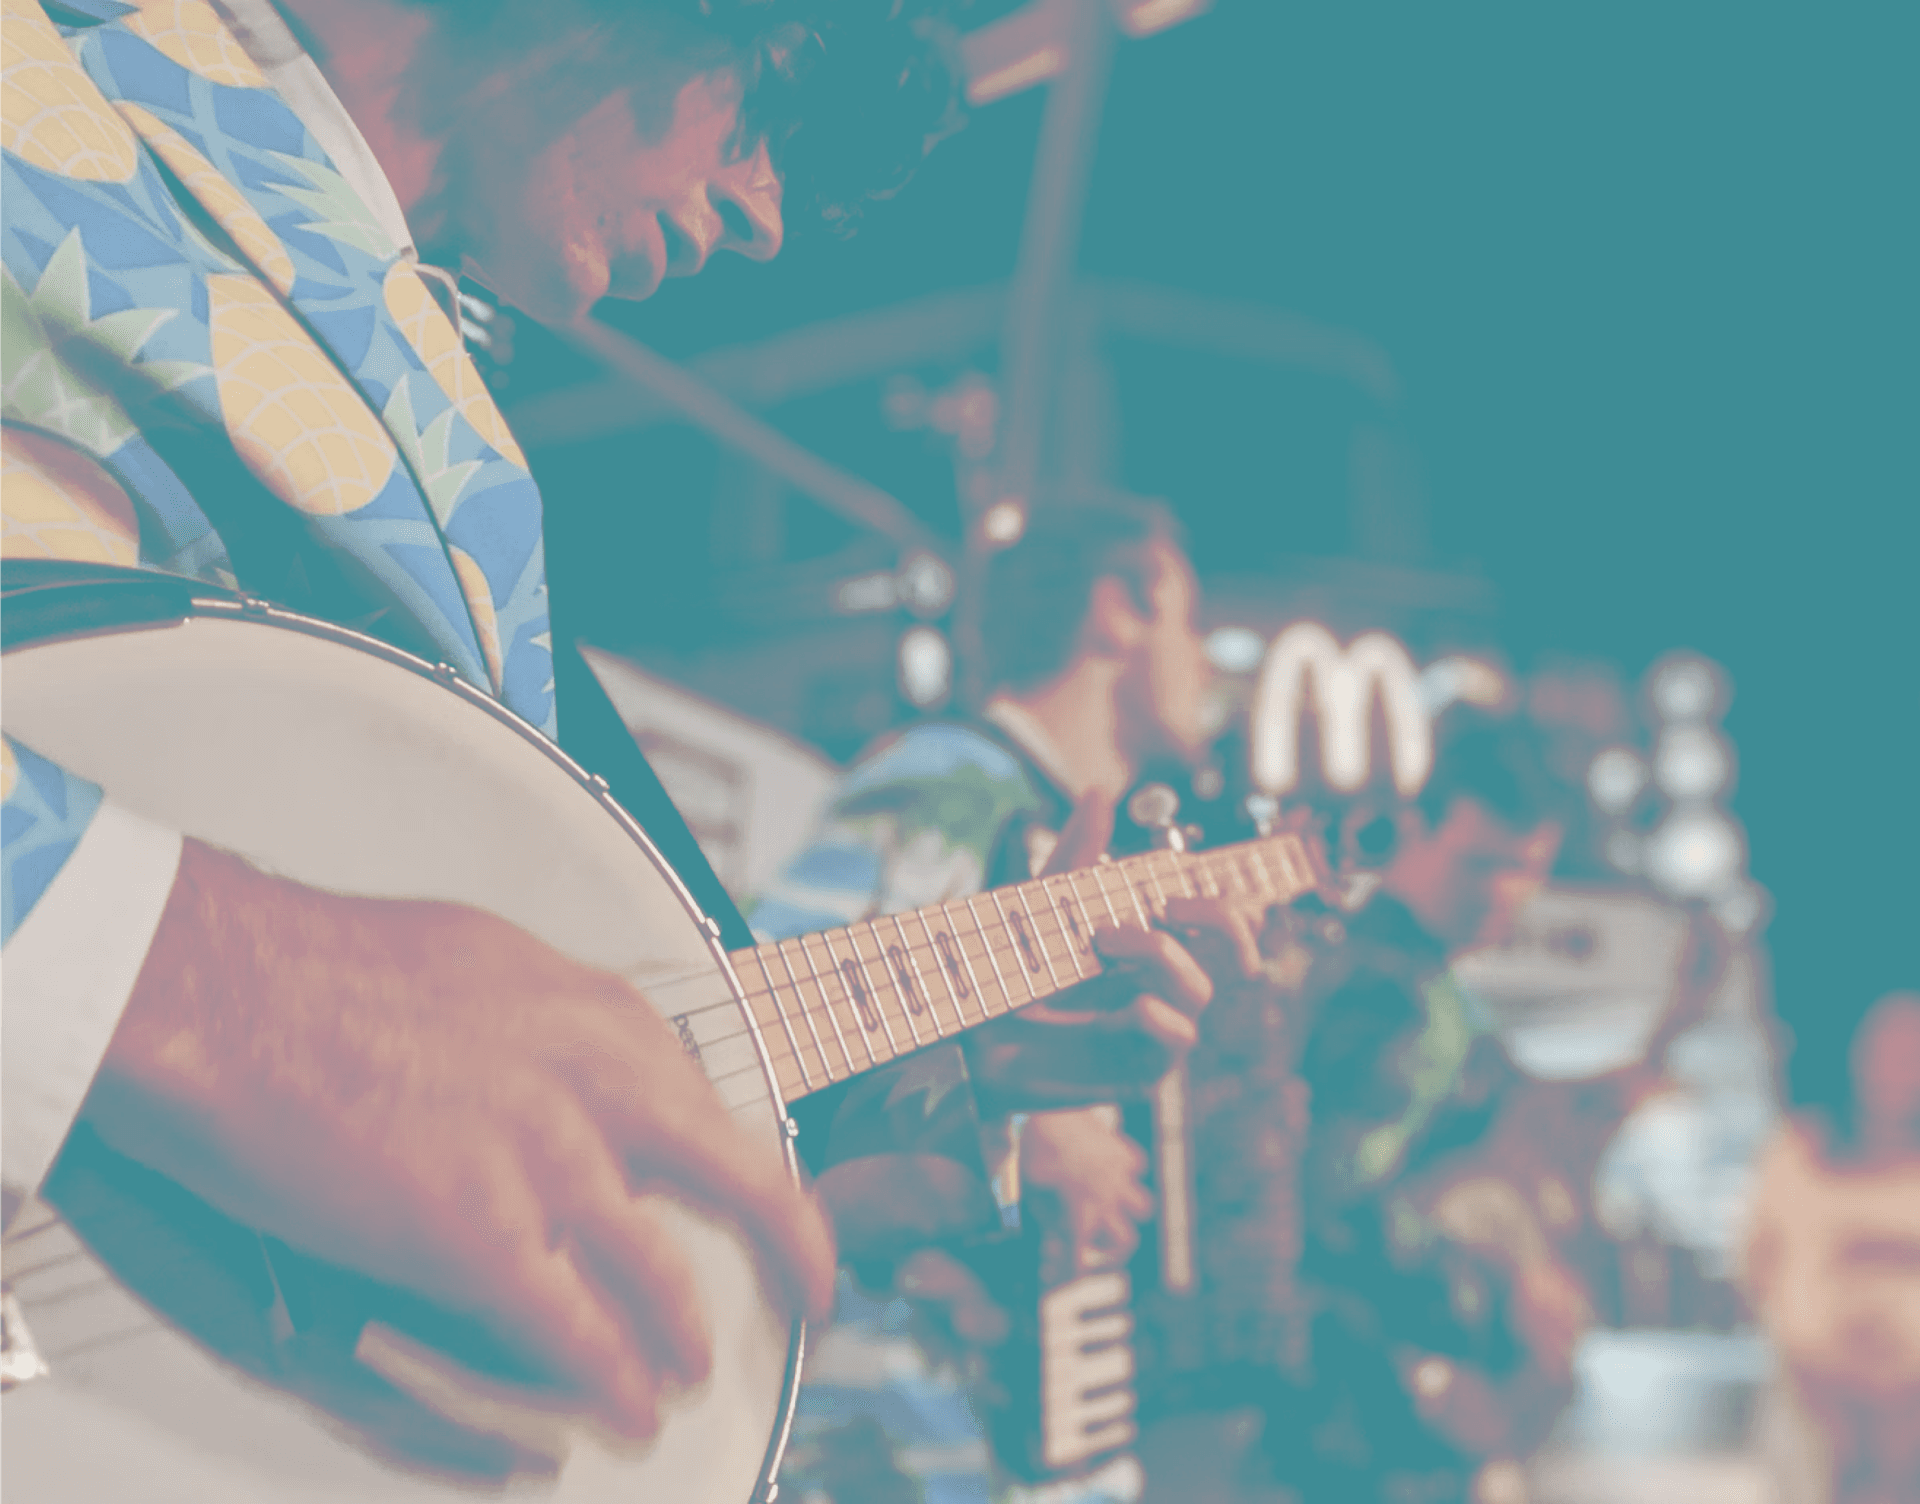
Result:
<point x="1156" y="807"/>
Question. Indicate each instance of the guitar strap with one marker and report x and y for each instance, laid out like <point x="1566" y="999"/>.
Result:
<point x="593" y="735"/>
<point x="44" y="596"/>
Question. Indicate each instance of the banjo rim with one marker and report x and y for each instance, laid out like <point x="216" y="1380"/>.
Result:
<point x="53" y="597"/>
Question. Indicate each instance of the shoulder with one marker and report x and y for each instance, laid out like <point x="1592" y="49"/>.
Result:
<point x="939" y="773"/>
<point x="935" y="750"/>
<point x="912" y="820"/>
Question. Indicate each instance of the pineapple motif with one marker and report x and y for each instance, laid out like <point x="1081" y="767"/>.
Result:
<point x="338" y="212"/>
<point x="442" y="480"/>
<point x="434" y="338"/>
<point x="219" y="197"/>
<point x="51" y="115"/>
<point x="479" y="594"/>
<point x="291" y="415"/>
<point x="61" y="505"/>
<point x="189" y="32"/>
<point x="49" y="340"/>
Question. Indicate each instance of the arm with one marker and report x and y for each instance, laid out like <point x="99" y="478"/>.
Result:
<point x="429" y="1096"/>
<point x="883" y="1132"/>
<point x="1118" y="1034"/>
<point x="896" y="1152"/>
<point x="85" y="883"/>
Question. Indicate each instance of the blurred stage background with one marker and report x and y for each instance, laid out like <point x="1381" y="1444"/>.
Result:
<point x="1564" y="339"/>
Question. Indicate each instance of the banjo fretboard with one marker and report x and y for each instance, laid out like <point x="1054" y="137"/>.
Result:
<point x="839" y="1002"/>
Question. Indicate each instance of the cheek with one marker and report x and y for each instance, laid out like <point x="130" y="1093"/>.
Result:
<point x="530" y="239"/>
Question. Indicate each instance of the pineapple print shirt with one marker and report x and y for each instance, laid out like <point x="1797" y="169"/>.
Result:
<point x="218" y="362"/>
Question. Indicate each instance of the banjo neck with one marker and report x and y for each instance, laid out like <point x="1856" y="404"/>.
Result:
<point x="840" y="1002"/>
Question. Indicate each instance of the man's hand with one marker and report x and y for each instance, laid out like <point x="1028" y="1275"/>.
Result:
<point x="1081" y="1155"/>
<point x="956" y="1321"/>
<point x="883" y="1203"/>
<point x="426" y="1094"/>
<point x="1077" y="1049"/>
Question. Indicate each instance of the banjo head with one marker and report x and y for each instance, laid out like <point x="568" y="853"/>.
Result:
<point x="326" y="757"/>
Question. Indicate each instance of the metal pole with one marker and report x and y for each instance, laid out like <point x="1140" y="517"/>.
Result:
<point x="1036" y="313"/>
<point x="1036" y="317"/>
<point x="839" y="490"/>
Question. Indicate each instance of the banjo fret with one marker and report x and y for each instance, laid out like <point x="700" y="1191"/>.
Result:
<point x="888" y="986"/>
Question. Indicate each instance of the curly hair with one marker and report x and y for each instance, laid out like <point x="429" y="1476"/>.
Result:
<point x="850" y="95"/>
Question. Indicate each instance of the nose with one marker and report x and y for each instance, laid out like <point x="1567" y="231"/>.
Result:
<point x="737" y="209"/>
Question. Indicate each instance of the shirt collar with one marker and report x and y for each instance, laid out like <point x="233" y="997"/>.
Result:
<point x="1023" y="729"/>
<point x="265" y="37"/>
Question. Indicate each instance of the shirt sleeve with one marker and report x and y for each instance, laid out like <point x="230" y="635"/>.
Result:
<point x="923" y="1104"/>
<point x="85" y="883"/>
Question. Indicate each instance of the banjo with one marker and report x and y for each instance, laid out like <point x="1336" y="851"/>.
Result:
<point x="180" y="1357"/>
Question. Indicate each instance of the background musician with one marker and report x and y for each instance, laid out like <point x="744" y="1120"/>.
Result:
<point x="1425" y="1336"/>
<point x="1832" y="1265"/>
<point x="234" y="368"/>
<point x="1094" y="666"/>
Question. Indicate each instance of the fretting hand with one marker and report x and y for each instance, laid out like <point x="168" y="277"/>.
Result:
<point x="426" y="1094"/>
<point x="1078" y="1049"/>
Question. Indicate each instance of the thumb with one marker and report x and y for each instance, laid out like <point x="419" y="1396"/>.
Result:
<point x="1088" y="832"/>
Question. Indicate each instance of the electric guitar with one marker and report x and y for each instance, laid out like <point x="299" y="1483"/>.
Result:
<point x="180" y="1363"/>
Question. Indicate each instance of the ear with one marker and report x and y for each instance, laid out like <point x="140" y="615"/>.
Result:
<point x="1114" y="624"/>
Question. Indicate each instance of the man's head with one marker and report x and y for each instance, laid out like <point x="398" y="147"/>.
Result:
<point x="1103" y="582"/>
<point x="562" y="151"/>
<point x="1481" y="837"/>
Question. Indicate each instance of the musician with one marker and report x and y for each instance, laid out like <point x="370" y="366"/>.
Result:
<point x="1832" y="1264"/>
<point x="1437" y="1328"/>
<point x="1094" y="666"/>
<point x="226" y="361"/>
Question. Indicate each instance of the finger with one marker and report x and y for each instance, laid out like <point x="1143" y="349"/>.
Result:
<point x="1107" y="1236"/>
<point x="1228" y="921"/>
<point x="1116" y="1217"/>
<point x="564" y="1321"/>
<point x="624" y="1244"/>
<point x="1045" y="1064"/>
<point x="937" y="1277"/>
<point x="1168" y="1027"/>
<point x="884" y="1201"/>
<point x="1057" y="1017"/>
<point x="502" y="1264"/>
<point x="1178" y="973"/>
<point x="1087" y="834"/>
<point x="664" y="1120"/>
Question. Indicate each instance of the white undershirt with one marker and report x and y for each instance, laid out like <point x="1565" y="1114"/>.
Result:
<point x="69" y="968"/>
<point x="294" y="75"/>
